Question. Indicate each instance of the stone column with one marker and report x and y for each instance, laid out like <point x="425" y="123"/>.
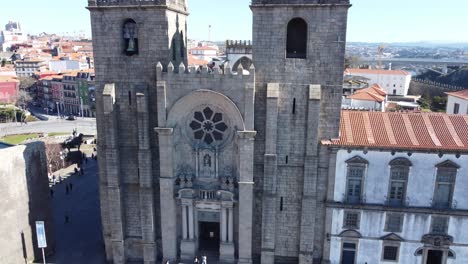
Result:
<point x="226" y="248"/>
<point x="230" y="225"/>
<point x="168" y="205"/>
<point x="269" y="176"/>
<point x="191" y="222"/>
<point x="184" y="222"/>
<point x="187" y="245"/>
<point x="223" y="225"/>
<point x="246" y="145"/>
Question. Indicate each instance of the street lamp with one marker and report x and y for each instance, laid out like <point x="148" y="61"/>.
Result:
<point x="58" y="110"/>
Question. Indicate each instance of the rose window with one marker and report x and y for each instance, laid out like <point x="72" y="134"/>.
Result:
<point x="208" y="125"/>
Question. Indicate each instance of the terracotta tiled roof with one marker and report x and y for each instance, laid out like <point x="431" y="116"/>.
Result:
<point x="374" y="93"/>
<point x="192" y="60"/>
<point x="463" y="94"/>
<point x="411" y="131"/>
<point x="375" y="71"/>
<point x="203" y="48"/>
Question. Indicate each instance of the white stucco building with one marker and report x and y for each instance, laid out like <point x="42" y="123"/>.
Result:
<point x="398" y="193"/>
<point x="457" y="102"/>
<point x="395" y="82"/>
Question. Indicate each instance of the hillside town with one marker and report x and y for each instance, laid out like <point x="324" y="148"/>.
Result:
<point x="142" y="145"/>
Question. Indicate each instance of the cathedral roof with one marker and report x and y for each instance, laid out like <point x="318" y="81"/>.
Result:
<point x="398" y="130"/>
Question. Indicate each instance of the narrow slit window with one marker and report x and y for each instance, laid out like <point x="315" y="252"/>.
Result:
<point x="281" y="204"/>
<point x="294" y="106"/>
<point x="287" y="159"/>
<point x="129" y="98"/>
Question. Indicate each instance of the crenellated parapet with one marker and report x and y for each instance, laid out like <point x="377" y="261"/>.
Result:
<point x="238" y="47"/>
<point x="299" y="2"/>
<point x="174" y="4"/>
<point x="194" y="73"/>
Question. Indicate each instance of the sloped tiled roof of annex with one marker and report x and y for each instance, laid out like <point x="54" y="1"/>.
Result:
<point x="374" y="93"/>
<point x="375" y="71"/>
<point x="463" y="94"/>
<point x="400" y="130"/>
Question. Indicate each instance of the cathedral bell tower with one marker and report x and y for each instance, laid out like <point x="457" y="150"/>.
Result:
<point x="129" y="38"/>
<point x="298" y="52"/>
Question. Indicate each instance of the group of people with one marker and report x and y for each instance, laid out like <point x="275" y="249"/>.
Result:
<point x="196" y="260"/>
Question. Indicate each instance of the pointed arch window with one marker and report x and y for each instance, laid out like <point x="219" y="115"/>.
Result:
<point x="296" y="43"/>
<point x="130" y="37"/>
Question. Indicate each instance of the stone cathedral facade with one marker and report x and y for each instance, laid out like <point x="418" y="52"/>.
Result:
<point x="227" y="161"/>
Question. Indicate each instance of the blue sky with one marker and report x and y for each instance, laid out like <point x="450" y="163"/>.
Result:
<point x="369" y="20"/>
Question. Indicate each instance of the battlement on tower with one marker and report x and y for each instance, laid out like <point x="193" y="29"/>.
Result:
<point x="238" y="47"/>
<point x="175" y="4"/>
<point x="193" y="73"/>
<point x="299" y="2"/>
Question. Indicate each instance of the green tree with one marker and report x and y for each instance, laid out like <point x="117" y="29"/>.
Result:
<point x="26" y="82"/>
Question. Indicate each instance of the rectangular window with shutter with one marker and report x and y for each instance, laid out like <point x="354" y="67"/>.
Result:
<point x="394" y="223"/>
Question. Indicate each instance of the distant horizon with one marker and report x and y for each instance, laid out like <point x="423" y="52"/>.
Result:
<point x="369" y="21"/>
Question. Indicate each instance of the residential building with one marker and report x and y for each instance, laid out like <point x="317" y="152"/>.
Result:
<point x="29" y="67"/>
<point x="9" y="88"/>
<point x="397" y="189"/>
<point x="373" y="98"/>
<point x="70" y="97"/>
<point x="12" y="35"/>
<point x="57" y="93"/>
<point x="206" y="53"/>
<point x="457" y="102"/>
<point x="395" y="82"/>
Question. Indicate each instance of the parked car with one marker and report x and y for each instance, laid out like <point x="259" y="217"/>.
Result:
<point x="71" y="118"/>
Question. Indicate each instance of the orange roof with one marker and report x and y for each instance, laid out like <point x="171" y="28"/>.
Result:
<point x="203" y="48"/>
<point x="192" y="60"/>
<point x="8" y="78"/>
<point x="375" y="71"/>
<point x="397" y="130"/>
<point x="374" y="93"/>
<point x="463" y="94"/>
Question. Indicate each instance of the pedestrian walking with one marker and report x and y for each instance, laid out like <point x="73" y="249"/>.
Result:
<point x="66" y="189"/>
<point x="204" y="260"/>
<point x="76" y="170"/>
<point x="51" y="193"/>
<point x="81" y="171"/>
<point x="71" y="186"/>
<point x="196" y="261"/>
<point x="167" y="262"/>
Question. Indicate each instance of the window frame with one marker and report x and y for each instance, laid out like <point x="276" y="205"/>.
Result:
<point x="391" y="244"/>
<point x="398" y="164"/>
<point x="358" y="219"/>
<point x="446" y="165"/>
<point x="355" y="162"/>
<point x="446" y="224"/>
<point x="387" y="218"/>
<point x="456" y="108"/>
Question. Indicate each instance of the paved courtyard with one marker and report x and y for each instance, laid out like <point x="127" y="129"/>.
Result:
<point x="78" y="241"/>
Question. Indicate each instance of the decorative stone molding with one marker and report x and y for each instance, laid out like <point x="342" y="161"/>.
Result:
<point x="437" y="240"/>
